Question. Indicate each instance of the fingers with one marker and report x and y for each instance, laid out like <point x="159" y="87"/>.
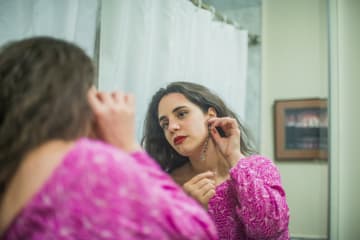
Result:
<point x="114" y="120"/>
<point x="209" y="194"/>
<point x="102" y="101"/>
<point x="201" y="187"/>
<point x="93" y="99"/>
<point x="206" y="187"/>
<point x="105" y="98"/>
<point x="129" y="99"/>
<point x="122" y="97"/>
<point x="230" y="144"/>
<point x="224" y="123"/>
<point x="116" y="96"/>
<point x="204" y="183"/>
<point x="227" y="125"/>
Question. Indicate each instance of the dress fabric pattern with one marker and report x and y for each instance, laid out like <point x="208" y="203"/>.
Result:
<point x="252" y="203"/>
<point x="99" y="192"/>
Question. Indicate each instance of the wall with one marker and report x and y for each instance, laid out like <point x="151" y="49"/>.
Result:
<point x="295" y="59"/>
<point x="345" y="119"/>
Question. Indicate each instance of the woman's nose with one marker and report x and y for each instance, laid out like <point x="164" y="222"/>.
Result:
<point x="173" y="126"/>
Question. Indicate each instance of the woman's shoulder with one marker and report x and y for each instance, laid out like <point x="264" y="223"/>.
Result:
<point x="95" y="157"/>
<point x="37" y="173"/>
<point x="87" y="152"/>
<point x="256" y="165"/>
<point x="255" y="159"/>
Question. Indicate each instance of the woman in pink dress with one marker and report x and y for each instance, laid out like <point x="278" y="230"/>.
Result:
<point x="197" y="139"/>
<point x="55" y="181"/>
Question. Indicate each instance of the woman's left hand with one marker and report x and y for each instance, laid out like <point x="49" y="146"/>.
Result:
<point x="229" y="145"/>
<point x="114" y="118"/>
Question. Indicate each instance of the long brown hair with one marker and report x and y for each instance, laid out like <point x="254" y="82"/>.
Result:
<point x="43" y="88"/>
<point x="154" y="140"/>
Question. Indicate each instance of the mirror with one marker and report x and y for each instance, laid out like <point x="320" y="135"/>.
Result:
<point x="287" y="58"/>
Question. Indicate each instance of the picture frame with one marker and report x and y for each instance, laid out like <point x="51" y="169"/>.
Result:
<point x="301" y="129"/>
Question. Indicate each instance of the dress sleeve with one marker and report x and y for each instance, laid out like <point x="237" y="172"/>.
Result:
<point x="132" y="198"/>
<point x="262" y="205"/>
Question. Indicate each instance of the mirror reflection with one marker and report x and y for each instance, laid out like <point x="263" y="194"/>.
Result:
<point x="286" y="57"/>
<point x="288" y="60"/>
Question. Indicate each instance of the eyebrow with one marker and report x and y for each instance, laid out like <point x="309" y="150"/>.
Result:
<point x="173" y="111"/>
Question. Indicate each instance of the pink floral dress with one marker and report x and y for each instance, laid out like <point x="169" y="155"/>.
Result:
<point x="99" y="192"/>
<point x="252" y="203"/>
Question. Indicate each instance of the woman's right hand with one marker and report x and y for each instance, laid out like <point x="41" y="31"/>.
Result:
<point x="114" y="118"/>
<point x="229" y="145"/>
<point x="201" y="187"/>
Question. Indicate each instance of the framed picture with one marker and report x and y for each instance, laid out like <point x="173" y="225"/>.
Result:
<point x="301" y="129"/>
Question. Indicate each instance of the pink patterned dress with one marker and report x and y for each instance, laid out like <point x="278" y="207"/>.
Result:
<point x="252" y="203"/>
<point x="99" y="192"/>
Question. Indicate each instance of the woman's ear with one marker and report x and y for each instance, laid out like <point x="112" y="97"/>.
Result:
<point x="212" y="112"/>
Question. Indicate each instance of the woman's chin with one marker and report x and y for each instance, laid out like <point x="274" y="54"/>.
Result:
<point x="183" y="151"/>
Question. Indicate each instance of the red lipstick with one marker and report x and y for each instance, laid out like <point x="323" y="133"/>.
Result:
<point x="179" y="140"/>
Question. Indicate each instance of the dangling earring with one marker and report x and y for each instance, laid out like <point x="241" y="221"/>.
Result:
<point x="205" y="146"/>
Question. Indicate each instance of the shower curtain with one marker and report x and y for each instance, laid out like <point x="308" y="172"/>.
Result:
<point x="146" y="44"/>
<point x="72" y="20"/>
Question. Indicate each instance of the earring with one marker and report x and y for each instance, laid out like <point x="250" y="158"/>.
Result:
<point x="205" y="146"/>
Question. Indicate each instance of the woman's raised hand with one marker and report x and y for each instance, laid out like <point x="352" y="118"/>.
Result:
<point x="229" y="145"/>
<point x="201" y="187"/>
<point x="114" y="118"/>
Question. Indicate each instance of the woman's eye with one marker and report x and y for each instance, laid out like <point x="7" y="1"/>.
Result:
<point x="164" y="125"/>
<point x="182" y="114"/>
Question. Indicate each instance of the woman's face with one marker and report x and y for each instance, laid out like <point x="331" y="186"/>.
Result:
<point x="184" y="124"/>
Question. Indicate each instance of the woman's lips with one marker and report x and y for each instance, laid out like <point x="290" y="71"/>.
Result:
<point x="179" y="140"/>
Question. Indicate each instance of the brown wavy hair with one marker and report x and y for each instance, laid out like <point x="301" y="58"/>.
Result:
<point x="153" y="139"/>
<point x="43" y="96"/>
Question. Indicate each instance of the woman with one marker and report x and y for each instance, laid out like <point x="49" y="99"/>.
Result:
<point x="56" y="182"/>
<point x="197" y="139"/>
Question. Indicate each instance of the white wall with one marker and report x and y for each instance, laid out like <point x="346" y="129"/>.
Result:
<point x="345" y="119"/>
<point x="295" y="62"/>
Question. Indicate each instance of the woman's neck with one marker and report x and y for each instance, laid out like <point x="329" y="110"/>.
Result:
<point x="209" y="159"/>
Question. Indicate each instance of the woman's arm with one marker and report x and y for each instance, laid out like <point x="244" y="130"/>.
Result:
<point x="262" y="202"/>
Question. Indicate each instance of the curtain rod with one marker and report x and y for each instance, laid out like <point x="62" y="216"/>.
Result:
<point x="253" y="39"/>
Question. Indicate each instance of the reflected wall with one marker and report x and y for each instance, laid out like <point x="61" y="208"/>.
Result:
<point x="295" y="66"/>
